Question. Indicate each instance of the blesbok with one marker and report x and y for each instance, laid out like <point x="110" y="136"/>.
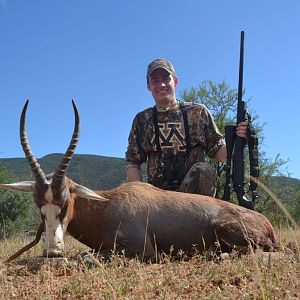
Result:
<point x="135" y="218"/>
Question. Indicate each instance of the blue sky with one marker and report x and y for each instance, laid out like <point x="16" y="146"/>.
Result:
<point x="96" y="52"/>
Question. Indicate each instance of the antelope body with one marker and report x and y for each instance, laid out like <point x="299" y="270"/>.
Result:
<point x="136" y="218"/>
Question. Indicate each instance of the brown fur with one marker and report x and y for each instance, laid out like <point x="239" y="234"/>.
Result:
<point x="141" y="219"/>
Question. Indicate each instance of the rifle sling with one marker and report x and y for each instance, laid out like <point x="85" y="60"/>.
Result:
<point x="253" y="154"/>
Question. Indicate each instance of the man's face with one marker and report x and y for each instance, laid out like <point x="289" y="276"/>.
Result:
<point x="162" y="86"/>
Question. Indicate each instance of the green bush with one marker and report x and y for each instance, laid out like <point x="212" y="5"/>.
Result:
<point x="17" y="210"/>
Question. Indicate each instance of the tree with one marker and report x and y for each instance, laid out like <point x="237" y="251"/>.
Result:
<point x="221" y="100"/>
<point x="295" y="204"/>
<point x="17" y="212"/>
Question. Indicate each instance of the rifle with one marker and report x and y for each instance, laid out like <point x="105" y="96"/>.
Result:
<point x="235" y="146"/>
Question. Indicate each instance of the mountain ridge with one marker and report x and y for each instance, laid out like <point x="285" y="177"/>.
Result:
<point x="94" y="171"/>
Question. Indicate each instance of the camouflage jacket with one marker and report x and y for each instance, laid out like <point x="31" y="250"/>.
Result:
<point x="205" y="138"/>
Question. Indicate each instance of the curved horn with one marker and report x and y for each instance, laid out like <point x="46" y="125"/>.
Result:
<point x="61" y="170"/>
<point x="39" y="175"/>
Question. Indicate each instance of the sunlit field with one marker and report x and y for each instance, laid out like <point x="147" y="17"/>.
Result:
<point x="252" y="276"/>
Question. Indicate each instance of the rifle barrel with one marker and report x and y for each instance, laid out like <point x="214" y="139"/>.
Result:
<point x="241" y="77"/>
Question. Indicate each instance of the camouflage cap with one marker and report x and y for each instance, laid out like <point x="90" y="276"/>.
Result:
<point x="160" y="63"/>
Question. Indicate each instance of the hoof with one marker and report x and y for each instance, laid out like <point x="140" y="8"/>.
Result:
<point x="87" y="258"/>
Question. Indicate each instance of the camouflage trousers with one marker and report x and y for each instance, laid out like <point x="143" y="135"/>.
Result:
<point x="200" y="179"/>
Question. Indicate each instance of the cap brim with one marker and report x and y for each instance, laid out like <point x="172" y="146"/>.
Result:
<point x="160" y="67"/>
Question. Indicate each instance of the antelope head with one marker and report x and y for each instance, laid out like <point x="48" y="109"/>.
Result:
<point x="53" y="194"/>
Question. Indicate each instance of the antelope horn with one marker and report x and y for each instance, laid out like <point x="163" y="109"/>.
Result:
<point x="39" y="175"/>
<point x="59" y="174"/>
<point x="30" y="245"/>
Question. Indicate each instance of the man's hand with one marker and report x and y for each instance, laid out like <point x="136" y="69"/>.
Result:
<point x="242" y="130"/>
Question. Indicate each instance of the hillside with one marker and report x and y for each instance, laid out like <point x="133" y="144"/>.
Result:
<point x="95" y="171"/>
<point x="283" y="180"/>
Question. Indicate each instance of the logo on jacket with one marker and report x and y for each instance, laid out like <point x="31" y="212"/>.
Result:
<point x="171" y="135"/>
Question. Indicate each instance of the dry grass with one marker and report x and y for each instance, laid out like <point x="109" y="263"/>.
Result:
<point x="253" y="276"/>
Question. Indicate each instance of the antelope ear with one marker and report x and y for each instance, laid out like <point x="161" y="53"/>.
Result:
<point x="84" y="192"/>
<point x="22" y="186"/>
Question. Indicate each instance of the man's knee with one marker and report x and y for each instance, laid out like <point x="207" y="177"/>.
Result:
<point x="200" y="179"/>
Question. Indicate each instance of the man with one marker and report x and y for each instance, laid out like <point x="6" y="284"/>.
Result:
<point x="174" y="138"/>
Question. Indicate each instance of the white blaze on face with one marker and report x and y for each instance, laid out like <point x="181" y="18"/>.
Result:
<point x="54" y="230"/>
